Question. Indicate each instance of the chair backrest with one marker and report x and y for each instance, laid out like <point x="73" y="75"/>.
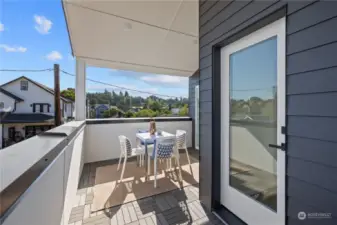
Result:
<point x="165" y="147"/>
<point x="125" y="145"/>
<point x="181" y="139"/>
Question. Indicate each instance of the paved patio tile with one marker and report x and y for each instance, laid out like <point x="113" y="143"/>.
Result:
<point x="177" y="207"/>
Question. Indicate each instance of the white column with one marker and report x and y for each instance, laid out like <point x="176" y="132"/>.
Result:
<point x="80" y="90"/>
<point x="1" y="135"/>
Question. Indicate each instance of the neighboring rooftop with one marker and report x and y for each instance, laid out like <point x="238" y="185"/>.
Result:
<point x="7" y="117"/>
<point x="16" y="98"/>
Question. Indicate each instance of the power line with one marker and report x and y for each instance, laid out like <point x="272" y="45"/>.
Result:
<point x="120" y="87"/>
<point x="95" y="81"/>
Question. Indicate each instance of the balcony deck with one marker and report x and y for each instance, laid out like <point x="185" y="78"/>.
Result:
<point x="101" y="200"/>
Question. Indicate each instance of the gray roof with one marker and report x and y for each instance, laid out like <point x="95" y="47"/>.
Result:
<point x="8" y="117"/>
<point x="16" y="98"/>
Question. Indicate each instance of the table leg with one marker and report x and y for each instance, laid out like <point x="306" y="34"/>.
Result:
<point x="146" y="161"/>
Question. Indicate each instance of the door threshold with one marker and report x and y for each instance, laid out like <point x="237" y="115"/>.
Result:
<point x="219" y="217"/>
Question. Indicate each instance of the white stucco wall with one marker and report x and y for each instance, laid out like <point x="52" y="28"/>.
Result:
<point x="8" y="103"/>
<point x="50" y="198"/>
<point x="101" y="142"/>
<point x="73" y="168"/>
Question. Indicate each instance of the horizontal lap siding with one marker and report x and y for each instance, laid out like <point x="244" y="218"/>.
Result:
<point x="192" y="82"/>
<point x="311" y="97"/>
<point x="312" y="111"/>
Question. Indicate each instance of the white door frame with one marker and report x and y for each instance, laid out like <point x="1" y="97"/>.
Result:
<point x="197" y="118"/>
<point x="247" y="209"/>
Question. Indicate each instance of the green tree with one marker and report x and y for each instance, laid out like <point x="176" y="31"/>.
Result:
<point x="129" y="114"/>
<point x="69" y="93"/>
<point x="155" y="106"/>
<point x="110" y="113"/>
<point x="184" y="110"/>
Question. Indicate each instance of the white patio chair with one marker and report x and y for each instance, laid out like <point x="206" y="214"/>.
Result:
<point x="164" y="150"/>
<point x="127" y="152"/>
<point x="181" y="136"/>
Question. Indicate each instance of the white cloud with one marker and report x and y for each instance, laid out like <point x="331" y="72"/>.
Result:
<point x="42" y="24"/>
<point x="165" y="79"/>
<point x="8" y="48"/>
<point x="54" y="56"/>
<point x="2" y="27"/>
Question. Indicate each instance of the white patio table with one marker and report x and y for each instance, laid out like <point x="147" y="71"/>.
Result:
<point x="147" y="139"/>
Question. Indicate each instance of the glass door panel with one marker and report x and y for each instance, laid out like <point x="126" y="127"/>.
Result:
<point x="253" y="125"/>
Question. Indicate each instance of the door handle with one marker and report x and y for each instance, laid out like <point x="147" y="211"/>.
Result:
<point x="282" y="146"/>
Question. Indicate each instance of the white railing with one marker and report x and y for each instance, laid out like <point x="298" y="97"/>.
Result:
<point x="49" y="198"/>
<point x="101" y="142"/>
<point x="51" y="195"/>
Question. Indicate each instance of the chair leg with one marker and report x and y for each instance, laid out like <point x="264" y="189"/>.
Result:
<point x="188" y="157"/>
<point x="122" y="174"/>
<point x="180" y="177"/>
<point x="170" y="164"/>
<point x="155" y="173"/>
<point x="119" y="162"/>
<point x="148" y="165"/>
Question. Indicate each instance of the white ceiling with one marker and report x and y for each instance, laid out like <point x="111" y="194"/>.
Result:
<point x="155" y="36"/>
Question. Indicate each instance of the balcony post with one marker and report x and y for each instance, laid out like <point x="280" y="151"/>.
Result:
<point x="80" y="90"/>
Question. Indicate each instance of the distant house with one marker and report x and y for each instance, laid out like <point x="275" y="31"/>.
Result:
<point x="135" y="109"/>
<point x="100" y="109"/>
<point x="27" y="108"/>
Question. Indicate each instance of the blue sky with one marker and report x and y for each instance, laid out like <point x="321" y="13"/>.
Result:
<point x="258" y="76"/>
<point x="33" y="35"/>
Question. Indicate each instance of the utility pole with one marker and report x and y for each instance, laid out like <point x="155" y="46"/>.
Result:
<point x="57" y="95"/>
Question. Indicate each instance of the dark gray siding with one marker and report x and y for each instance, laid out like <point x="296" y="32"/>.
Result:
<point x="311" y="97"/>
<point x="192" y="82"/>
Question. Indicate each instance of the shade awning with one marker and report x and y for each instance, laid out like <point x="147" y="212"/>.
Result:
<point x="144" y="36"/>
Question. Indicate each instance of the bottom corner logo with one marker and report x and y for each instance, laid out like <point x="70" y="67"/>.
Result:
<point x="302" y="215"/>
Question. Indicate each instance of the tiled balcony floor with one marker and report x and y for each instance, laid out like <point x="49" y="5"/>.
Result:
<point x="178" y="206"/>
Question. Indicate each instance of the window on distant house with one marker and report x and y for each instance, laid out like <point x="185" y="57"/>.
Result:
<point x="41" y="108"/>
<point x="24" y="85"/>
<point x="2" y="105"/>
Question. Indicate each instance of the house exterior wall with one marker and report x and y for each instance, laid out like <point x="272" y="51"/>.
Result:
<point x="69" y="110"/>
<point x="18" y="127"/>
<point x="8" y="103"/>
<point x="34" y="94"/>
<point x="311" y="91"/>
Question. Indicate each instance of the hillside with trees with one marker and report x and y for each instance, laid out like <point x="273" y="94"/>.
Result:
<point x="126" y="105"/>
